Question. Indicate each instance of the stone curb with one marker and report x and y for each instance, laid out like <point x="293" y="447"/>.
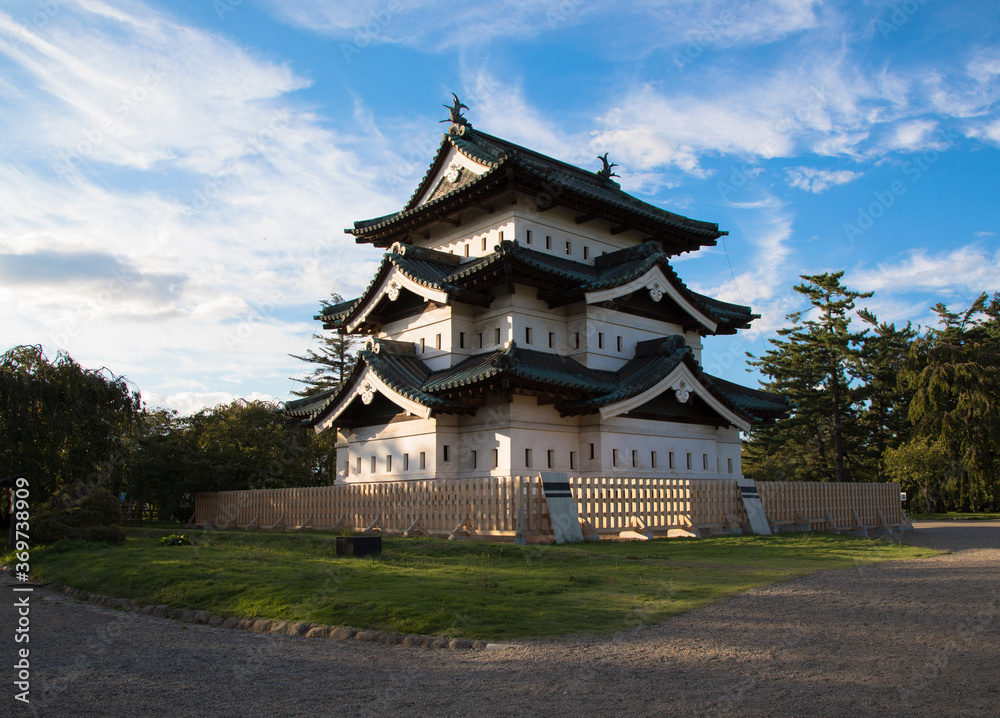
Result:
<point x="268" y="626"/>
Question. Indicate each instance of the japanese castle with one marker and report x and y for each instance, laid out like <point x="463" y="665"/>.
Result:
<point x="525" y="317"/>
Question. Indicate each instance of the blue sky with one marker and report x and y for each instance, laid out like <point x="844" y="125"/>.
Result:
<point x="175" y="177"/>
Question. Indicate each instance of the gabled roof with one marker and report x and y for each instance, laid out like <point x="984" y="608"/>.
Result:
<point x="660" y="365"/>
<point x="425" y="272"/>
<point x="307" y="408"/>
<point x="508" y="167"/>
<point x="439" y="276"/>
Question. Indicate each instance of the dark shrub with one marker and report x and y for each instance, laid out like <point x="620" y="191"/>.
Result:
<point x="95" y="517"/>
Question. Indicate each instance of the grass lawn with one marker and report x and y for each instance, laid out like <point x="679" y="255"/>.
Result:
<point x="453" y="588"/>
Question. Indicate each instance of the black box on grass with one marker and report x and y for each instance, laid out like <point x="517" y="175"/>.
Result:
<point x="358" y="545"/>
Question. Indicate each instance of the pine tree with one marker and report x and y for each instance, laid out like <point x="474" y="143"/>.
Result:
<point x="813" y="364"/>
<point x="333" y="361"/>
<point x="954" y="373"/>
<point x="884" y="420"/>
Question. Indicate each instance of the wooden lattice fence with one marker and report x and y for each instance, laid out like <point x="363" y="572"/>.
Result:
<point x="500" y="507"/>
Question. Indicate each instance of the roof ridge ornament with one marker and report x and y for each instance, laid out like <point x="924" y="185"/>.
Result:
<point x="605" y="172"/>
<point x="455" y="116"/>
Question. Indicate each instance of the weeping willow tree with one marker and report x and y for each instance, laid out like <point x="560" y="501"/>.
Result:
<point x="69" y="429"/>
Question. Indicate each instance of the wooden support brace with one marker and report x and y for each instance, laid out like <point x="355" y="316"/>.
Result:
<point x="338" y="523"/>
<point x="280" y="522"/>
<point x="416" y="529"/>
<point x="373" y="526"/>
<point x="734" y="525"/>
<point x="307" y="524"/>
<point x="860" y="523"/>
<point x="833" y="524"/>
<point x="807" y="522"/>
<point x="229" y="524"/>
<point x="683" y="532"/>
<point x="772" y="524"/>
<point x="588" y="531"/>
<point x="254" y="522"/>
<point x="636" y="530"/>
<point x="463" y="530"/>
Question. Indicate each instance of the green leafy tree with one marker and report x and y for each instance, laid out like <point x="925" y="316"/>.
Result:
<point x="235" y="446"/>
<point x="954" y="373"/>
<point x="333" y="361"/>
<point x="70" y="429"/>
<point x="813" y="363"/>
<point x="921" y="467"/>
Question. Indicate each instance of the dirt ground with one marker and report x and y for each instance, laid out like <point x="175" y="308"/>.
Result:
<point x="908" y="638"/>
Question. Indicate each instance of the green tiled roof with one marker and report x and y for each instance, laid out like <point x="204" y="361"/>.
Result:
<point x="530" y="365"/>
<point x="759" y="405"/>
<point x="638" y="375"/>
<point x="517" y="165"/>
<point x="574" y="388"/>
<point x="310" y="406"/>
<point x="571" y="279"/>
<point x="426" y="267"/>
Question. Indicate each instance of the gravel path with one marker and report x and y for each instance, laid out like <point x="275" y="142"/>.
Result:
<point x="908" y="638"/>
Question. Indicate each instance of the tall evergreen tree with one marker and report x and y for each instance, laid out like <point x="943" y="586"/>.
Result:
<point x="884" y="420"/>
<point x="954" y="372"/>
<point x="334" y="359"/>
<point x="813" y="364"/>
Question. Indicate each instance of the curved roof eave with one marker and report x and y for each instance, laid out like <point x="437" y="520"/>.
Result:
<point x="683" y="381"/>
<point x="658" y="284"/>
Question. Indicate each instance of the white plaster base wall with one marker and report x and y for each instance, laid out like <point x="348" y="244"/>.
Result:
<point x="521" y="437"/>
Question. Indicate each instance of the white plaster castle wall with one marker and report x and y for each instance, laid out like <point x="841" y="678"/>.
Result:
<point x="549" y="232"/>
<point x="498" y="439"/>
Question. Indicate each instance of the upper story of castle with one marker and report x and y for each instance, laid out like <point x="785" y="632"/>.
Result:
<point x="481" y="189"/>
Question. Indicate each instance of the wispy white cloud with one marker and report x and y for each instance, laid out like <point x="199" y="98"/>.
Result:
<point x="973" y="268"/>
<point x="436" y="24"/>
<point x="184" y="223"/>
<point x="817" y="180"/>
